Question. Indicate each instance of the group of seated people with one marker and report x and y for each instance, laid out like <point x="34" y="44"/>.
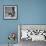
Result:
<point x="33" y="34"/>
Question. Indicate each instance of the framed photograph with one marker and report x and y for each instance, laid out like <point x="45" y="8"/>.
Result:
<point x="33" y="32"/>
<point x="10" y="12"/>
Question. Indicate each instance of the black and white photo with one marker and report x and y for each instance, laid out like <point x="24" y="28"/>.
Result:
<point x="10" y="12"/>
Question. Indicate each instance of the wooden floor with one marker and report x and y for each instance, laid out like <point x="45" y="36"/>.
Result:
<point x="30" y="43"/>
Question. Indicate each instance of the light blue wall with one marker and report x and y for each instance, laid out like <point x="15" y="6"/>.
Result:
<point x="29" y="12"/>
<point x="33" y="11"/>
<point x="7" y="26"/>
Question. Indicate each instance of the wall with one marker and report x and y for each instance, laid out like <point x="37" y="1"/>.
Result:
<point x="7" y="26"/>
<point x="33" y="11"/>
<point x="29" y="12"/>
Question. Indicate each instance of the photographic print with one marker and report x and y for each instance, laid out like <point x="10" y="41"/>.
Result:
<point x="10" y="12"/>
<point x="32" y="32"/>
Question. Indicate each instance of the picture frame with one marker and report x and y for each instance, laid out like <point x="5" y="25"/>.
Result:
<point x="10" y="12"/>
<point x="39" y="28"/>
